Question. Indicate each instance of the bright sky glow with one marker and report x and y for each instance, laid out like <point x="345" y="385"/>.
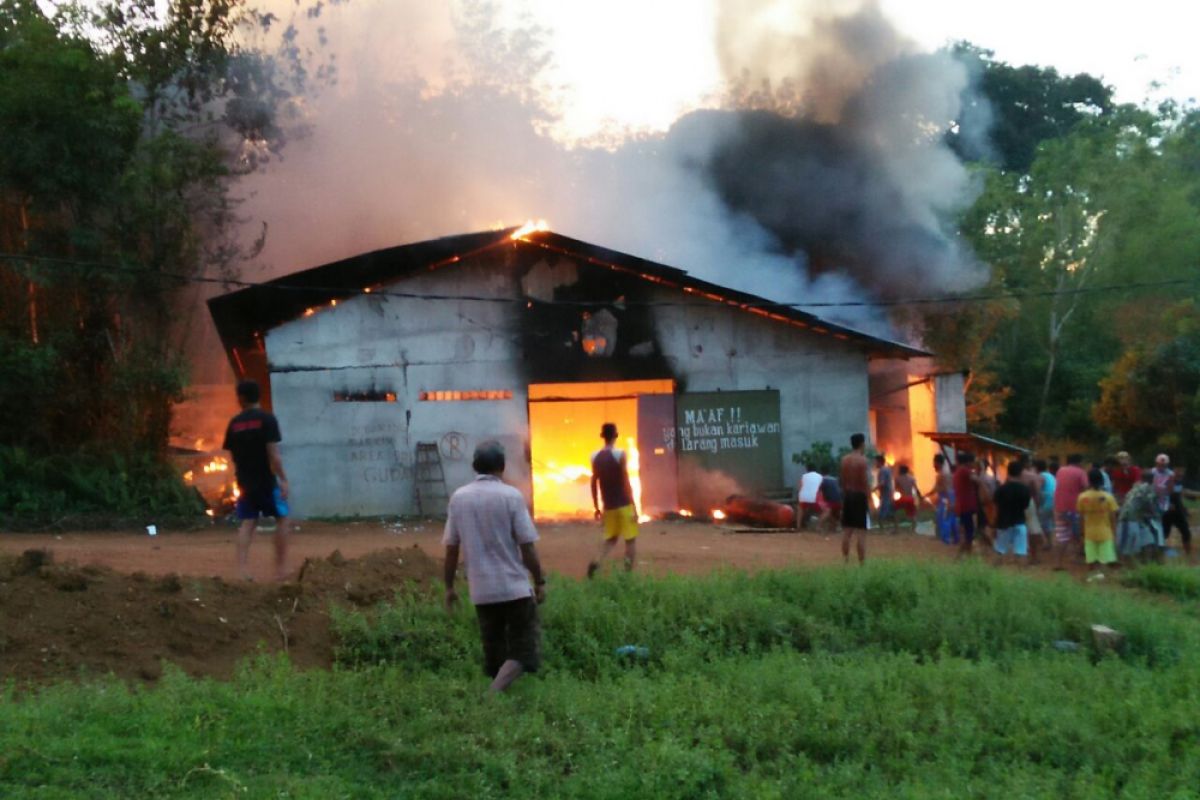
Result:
<point x="640" y="63"/>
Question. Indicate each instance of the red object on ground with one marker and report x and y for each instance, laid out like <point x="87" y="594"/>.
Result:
<point x="761" y="513"/>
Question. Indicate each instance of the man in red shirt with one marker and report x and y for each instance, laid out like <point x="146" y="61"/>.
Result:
<point x="1125" y="475"/>
<point x="1070" y="482"/>
<point x="966" y="501"/>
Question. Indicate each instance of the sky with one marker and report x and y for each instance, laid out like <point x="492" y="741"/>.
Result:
<point x="641" y="62"/>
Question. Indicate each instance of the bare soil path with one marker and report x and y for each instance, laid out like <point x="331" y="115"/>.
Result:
<point x="664" y="547"/>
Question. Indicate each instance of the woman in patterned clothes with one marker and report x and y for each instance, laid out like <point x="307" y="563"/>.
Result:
<point x="1139" y="525"/>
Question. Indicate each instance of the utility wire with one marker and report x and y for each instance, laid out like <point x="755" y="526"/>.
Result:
<point x="763" y="304"/>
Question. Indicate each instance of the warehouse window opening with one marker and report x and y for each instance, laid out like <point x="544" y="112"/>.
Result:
<point x="367" y="396"/>
<point x="455" y="395"/>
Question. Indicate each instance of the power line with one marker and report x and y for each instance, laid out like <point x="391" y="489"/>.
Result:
<point x="763" y="304"/>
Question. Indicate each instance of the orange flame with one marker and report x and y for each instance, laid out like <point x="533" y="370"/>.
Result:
<point x="217" y="464"/>
<point x="635" y="477"/>
<point x="530" y="226"/>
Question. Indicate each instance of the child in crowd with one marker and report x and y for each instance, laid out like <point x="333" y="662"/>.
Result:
<point x="1098" y="514"/>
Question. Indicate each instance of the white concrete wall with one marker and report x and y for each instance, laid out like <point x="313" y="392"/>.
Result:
<point x="347" y="458"/>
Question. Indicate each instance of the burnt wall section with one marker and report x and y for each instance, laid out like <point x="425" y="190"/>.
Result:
<point x="583" y="322"/>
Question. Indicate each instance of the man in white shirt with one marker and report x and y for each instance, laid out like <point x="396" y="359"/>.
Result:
<point x="488" y="521"/>
<point x="810" y="487"/>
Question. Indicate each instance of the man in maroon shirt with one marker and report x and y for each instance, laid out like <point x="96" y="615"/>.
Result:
<point x="966" y="501"/>
<point x="610" y="474"/>
<point x="855" y="491"/>
<point x="1070" y="482"/>
<point x="1125" y="475"/>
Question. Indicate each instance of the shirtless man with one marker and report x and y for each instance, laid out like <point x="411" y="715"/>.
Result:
<point x="947" y="524"/>
<point x="856" y="489"/>
<point x="1033" y="524"/>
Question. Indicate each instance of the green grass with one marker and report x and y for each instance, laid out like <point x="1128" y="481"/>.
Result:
<point x="1181" y="583"/>
<point x="897" y="680"/>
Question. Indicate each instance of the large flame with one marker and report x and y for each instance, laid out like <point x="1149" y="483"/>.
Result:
<point x="530" y="226"/>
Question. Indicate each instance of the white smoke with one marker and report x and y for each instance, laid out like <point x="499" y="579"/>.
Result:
<point x="440" y="123"/>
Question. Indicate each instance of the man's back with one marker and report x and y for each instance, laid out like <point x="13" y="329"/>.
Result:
<point x="608" y="467"/>
<point x="810" y="484"/>
<point x="1070" y="482"/>
<point x="246" y="439"/>
<point x="488" y="518"/>
<point x="1012" y="498"/>
<point x="854" y="473"/>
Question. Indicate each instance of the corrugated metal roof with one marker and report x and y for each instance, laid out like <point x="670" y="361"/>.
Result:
<point x="243" y="315"/>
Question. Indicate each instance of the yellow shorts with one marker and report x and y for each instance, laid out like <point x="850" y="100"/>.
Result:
<point x="620" y="522"/>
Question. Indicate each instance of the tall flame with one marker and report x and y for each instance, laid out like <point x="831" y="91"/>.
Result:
<point x="635" y="477"/>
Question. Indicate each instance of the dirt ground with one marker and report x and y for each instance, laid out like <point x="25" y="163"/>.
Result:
<point x="77" y="604"/>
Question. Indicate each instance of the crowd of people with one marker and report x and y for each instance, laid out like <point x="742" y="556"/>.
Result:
<point x="1106" y="514"/>
<point x="1113" y="511"/>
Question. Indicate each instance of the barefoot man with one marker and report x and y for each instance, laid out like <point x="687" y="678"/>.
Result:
<point x="855" y="491"/>
<point x="252" y="438"/>
<point x="610" y="474"/>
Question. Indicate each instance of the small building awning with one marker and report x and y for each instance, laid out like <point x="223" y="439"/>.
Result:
<point x="974" y="443"/>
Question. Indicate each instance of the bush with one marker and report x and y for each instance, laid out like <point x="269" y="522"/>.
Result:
<point x="90" y="488"/>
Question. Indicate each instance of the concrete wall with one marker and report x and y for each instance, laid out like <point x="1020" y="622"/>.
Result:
<point x="357" y="457"/>
<point x="822" y="381"/>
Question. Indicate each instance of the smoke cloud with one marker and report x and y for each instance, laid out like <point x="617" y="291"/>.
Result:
<point x="821" y="177"/>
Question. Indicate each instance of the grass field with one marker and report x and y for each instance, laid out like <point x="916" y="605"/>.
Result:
<point x="897" y="680"/>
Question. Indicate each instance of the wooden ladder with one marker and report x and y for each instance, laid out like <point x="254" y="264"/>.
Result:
<point x="429" y="480"/>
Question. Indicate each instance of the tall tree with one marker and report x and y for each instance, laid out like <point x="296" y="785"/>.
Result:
<point x="123" y="129"/>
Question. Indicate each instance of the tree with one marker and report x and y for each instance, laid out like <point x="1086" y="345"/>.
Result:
<point x="1152" y="397"/>
<point x="1018" y="107"/>
<point x="123" y="130"/>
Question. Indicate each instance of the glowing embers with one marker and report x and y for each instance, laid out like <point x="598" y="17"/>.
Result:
<point x="364" y="396"/>
<point x="454" y="395"/>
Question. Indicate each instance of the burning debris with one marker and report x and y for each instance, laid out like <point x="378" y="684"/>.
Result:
<point x="211" y="475"/>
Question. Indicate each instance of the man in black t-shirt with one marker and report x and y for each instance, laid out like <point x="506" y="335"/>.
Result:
<point x="252" y="438"/>
<point x="1012" y="499"/>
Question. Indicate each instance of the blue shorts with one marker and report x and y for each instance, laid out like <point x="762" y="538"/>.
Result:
<point x="1013" y="540"/>
<point x="263" y="503"/>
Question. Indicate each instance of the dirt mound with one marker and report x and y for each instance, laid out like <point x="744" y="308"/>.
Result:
<point x="63" y="620"/>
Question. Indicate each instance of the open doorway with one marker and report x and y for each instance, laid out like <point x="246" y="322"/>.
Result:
<point x="564" y="427"/>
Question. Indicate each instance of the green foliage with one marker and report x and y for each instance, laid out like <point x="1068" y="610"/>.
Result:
<point x="1182" y="584"/>
<point x="1152" y="397"/>
<point x="123" y="129"/>
<point x="864" y="683"/>
<point x="1027" y="105"/>
<point x="920" y="611"/>
<point x="87" y="488"/>
<point x="822" y="456"/>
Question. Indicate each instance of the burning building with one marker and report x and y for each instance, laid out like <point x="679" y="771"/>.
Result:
<point x="386" y="369"/>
